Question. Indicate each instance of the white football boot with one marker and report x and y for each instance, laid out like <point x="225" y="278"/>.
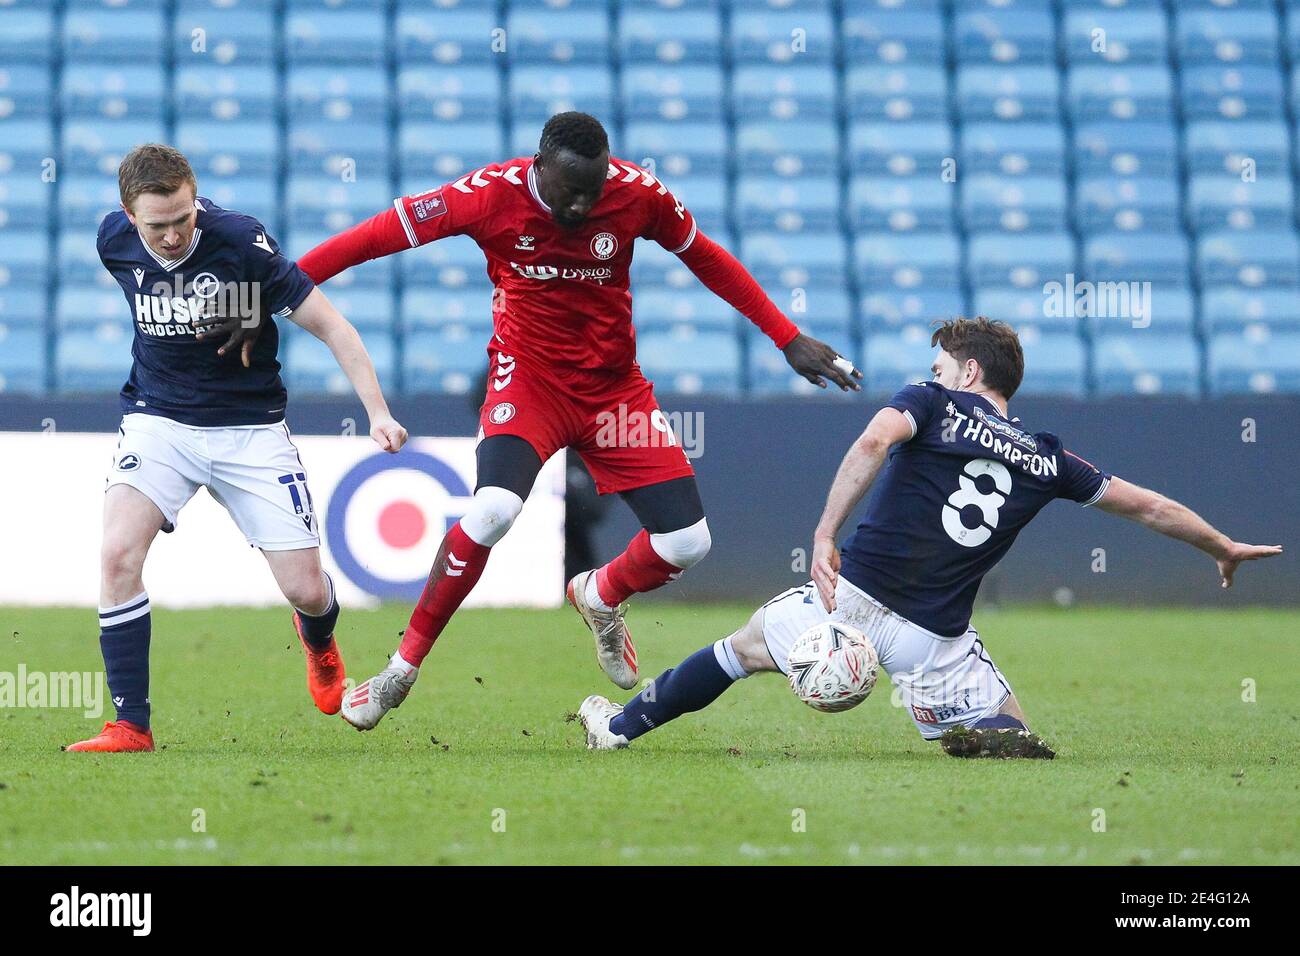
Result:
<point x="595" y="713"/>
<point x="614" y="649"/>
<point x="364" y="706"/>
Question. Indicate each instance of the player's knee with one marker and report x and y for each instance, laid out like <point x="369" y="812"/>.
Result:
<point x="491" y="514"/>
<point x="685" y="547"/>
<point x="750" y="647"/>
<point x="120" y="560"/>
<point x="308" y="592"/>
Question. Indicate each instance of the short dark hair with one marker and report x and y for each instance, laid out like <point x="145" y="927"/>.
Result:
<point x="153" y="168"/>
<point x="993" y="344"/>
<point x="579" y="132"/>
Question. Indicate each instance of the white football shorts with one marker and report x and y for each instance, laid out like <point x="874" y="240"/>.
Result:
<point x="254" y="471"/>
<point x="944" y="681"/>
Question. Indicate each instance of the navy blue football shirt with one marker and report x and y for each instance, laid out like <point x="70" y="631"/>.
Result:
<point x="232" y="266"/>
<point x="951" y="501"/>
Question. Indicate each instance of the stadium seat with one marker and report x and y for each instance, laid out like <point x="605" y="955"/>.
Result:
<point x="442" y="151"/>
<point x="1142" y="93"/>
<point x="1232" y="307"/>
<point x="899" y="149"/>
<point x="26" y="90"/>
<point x="1126" y="149"/>
<point x="22" y="359"/>
<point x="891" y="360"/>
<point x="92" y="360"/>
<point x="99" y="35"/>
<point x="558" y="36"/>
<point x="241" y="147"/>
<point x="1143" y="364"/>
<point x="452" y="263"/>
<point x="901" y="204"/>
<point x="687" y="361"/>
<point x="469" y="307"/>
<point x="1251" y="259"/>
<point x="1253" y="362"/>
<point x="25" y="143"/>
<point x="1232" y="92"/>
<point x="1159" y="257"/>
<point x="449" y="94"/>
<point x="1226" y="36"/>
<point x="25" y="202"/>
<point x="1056" y="363"/>
<point x="28" y="37"/>
<point x="451" y="361"/>
<point x="689" y="92"/>
<point x="256" y="196"/>
<point x="311" y="369"/>
<point x="1004" y="36"/>
<point x="677" y="149"/>
<point x="789" y="205"/>
<point x="334" y="37"/>
<point x="893" y="309"/>
<point x="78" y="260"/>
<point x="1116" y="36"/>
<point x="794" y="148"/>
<point x="659" y="308"/>
<point x="225" y="93"/>
<point x="892" y="36"/>
<point x="669" y="36"/>
<point x="87" y="198"/>
<point x="1262" y="148"/>
<point x="1007" y="92"/>
<point x="423" y="36"/>
<point x="336" y="93"/>
<point x="97" y="146"/>
<point x="805" y="36"/>
<point x="318" y="202"/>
<point x="705" y="197"/>
<point x="536" y="93"/>
<point x="908" y="261"/>
<point x="1220" y="201"/>
<point x="1013" y="149"/>
<point x="376" y="274"/>
<point x="1023" y="261"/>
<point x="92" y="308"/>
<point x="1028" y="204"/>
<point x="24" y="257"/>
<point x="905" y="92"/>
<point x="346" y="150"/>
<point x="23" y="307"/>
<point x="784" y="93"/>
<point x="112" y="92"/>
<point x="1024" y="309"/>
<point x="209" y="32"/>
<point x="1108" y="203"/>
<point x="809" y="260"/>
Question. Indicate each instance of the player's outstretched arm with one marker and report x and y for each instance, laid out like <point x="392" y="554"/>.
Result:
<point x="1175" y="520"/>
<point x="856" y="473"/>
<point x="380" y="235"/>
<point x="319" y="317"/>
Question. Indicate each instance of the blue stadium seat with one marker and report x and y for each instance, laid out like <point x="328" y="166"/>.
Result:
<point x="22" y="359"/>
<point x="558" y="36"/>
<point x="24" y="258"/>
<point x="311" y="369"/>
<point x="450" y="361"/>
<point x="92" y="360"/>
<point x="447" y="150"/>
<point x="1024" y="308"/>
<point x="1126" y="149"/>
<point x="254" y="196"/>
<point x="1226" y="36"/>
<point x="1252" y="259"/>
<point x="368" y="308"/>
<point x="891" y="360"/>
<point x="1160" y="257"/>
<point x="87" y="198"/>
<point x="906" y="92"/>
<point x="678" y="149"/>
<point x="25" y="202"/>
<point x="899" y="149"/>
<point x="317" y="202"/>
<point x="113" y="92"/>
<point x="988" y="35"/>
<point x="25" y="143"/>
<point x="686" y="361"/>
<point x="449" y="94"/>
<point x="1116" y="36"/>
<point x="809" y="260"/>
<point x="907" y="261"/>
<point x="78" y="260"/>
<point x="695" y="92"/>
<point x="893" y="309"/>
<point x="1262" y="148"/>
<point x="789" y="205"/>
<point x="1233" y="307"/>
<point x="1244" y="363"/>
<point x="244" y="147"/>
<point x="1008" y="93"/>
<point x="658" y="308"/>
<point x="1123" y="307"/>
<point x="784" y="92"/>
<point x="1107" y="203"/>
<point x="669" y="37"/>
<point x="1026" y="204"/>
<point x="469" y="307"/>
<point x="98" y="35"/>
<point x="225" y="92"/>
<point x="451" y="263"/>
<point x="823" y="311"/>
<point x="1021" y="260"/>
<point x="209" y="32"/>
<point x="334" y="37"/>
<point x="24" y="307"/>
<point x="901" y="204"/>
<point x="1013" y="149"/>
<point x="445" y="37"/>
<point x="1232" y="92"/>
<point x="1143" y="364"/>
<point x="26" y="90"/>
<point x="538" y="92"/>
<point x="1056" y="363"/>
<point x="377" y="274"/>
<point x="893" y="36"/>
<point x="342" y="149"/>
<point x="1220" y="201"/>
<point x="1143" y="93"/>
<point x="28" y="37"/>
<point x="96" y="146"/>
<point x="795" y="148"/>
<point x="92" y="308"/>
<point x="336" y="93"/>
<point x="705" y="197"/>
<point x="805" y="36"/>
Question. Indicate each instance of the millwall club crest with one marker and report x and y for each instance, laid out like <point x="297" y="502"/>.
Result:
<point x="501" y="413"/>
<point x="604" y="245"/>
<point x="128" y="463"/>
<point x="206" y="285"/>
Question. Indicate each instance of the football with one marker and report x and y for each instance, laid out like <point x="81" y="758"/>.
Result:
<point x="833" y="667"/>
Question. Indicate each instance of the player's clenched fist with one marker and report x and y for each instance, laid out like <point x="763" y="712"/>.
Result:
<point x="826" y="570"/>
<point x="387" y="433"/>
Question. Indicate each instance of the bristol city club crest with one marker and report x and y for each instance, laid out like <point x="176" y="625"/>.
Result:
<point x="604" y="245"/>
<point x="501" y="413"/>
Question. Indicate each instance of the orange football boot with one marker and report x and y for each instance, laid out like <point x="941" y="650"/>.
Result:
<point x="325" y="672"/>
<point x="116" y="738"/>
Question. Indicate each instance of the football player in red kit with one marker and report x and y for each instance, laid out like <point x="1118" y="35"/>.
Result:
<point x="557" y="230"/>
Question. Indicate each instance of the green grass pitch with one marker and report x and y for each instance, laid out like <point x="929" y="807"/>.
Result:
<point x="1145" y="708"/>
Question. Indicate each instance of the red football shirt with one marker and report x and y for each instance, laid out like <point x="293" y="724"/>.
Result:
<point x="561" y="296"/>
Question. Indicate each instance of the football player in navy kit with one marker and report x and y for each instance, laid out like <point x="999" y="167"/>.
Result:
<point x="963" y="479"/>
<point x="195" y="413"/>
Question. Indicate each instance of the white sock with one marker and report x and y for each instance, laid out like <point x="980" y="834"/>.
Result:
<point x="594" y="600"/>
<point x="397" y="660"/>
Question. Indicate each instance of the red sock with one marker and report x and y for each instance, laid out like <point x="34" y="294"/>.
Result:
<point x="637" y="569"/>
<point x="456" y="570"/>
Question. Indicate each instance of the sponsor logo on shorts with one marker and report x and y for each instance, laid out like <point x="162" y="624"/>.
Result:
<point x="924" y="714"/>
<point x="604" y="245"/>
<point x="128" y="463"/>
<point x="501" y="413"/>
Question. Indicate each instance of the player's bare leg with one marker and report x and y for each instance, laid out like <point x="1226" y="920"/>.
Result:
<point x="131" y="522"/>
<point x="310" y="592"/>
<point x="1004" y="735"/>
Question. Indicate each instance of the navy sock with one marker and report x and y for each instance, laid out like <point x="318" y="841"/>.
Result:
<point x="317" y="629"/>
<point x="124" y="640"/>
<point x="692" y="685"/>
<point x="998" y="722"/>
